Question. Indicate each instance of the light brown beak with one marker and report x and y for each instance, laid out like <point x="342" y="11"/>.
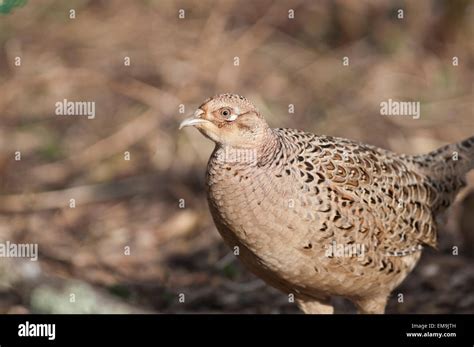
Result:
<point x="194" y="120"/>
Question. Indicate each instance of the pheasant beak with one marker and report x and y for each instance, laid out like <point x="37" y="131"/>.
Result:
<point x="194" y="120"/>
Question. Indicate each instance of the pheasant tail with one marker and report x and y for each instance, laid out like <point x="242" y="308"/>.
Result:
<point x="447" y="167"/>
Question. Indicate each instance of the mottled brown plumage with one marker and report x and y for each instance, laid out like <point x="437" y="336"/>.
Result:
<point x="319" y="216"/>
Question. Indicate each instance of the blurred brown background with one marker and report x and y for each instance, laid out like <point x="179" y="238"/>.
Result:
<point x="136" y="203"/>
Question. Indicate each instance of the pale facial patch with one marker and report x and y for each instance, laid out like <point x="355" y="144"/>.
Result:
<point x="234" y="114"/>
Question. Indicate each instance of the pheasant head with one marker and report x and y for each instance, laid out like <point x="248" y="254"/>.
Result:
<point x="230" y="120"/>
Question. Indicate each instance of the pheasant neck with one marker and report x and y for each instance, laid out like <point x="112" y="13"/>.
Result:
<point x="259" y="154"/>
<point x="268" y="148"/>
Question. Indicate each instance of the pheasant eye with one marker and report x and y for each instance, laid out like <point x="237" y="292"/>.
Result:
<point x="228" y="114"/>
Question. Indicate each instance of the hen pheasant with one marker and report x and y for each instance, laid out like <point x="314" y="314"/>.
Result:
<point x="319" y="216"/>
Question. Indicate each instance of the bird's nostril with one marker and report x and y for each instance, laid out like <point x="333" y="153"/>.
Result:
<point x="198" y="113"/>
